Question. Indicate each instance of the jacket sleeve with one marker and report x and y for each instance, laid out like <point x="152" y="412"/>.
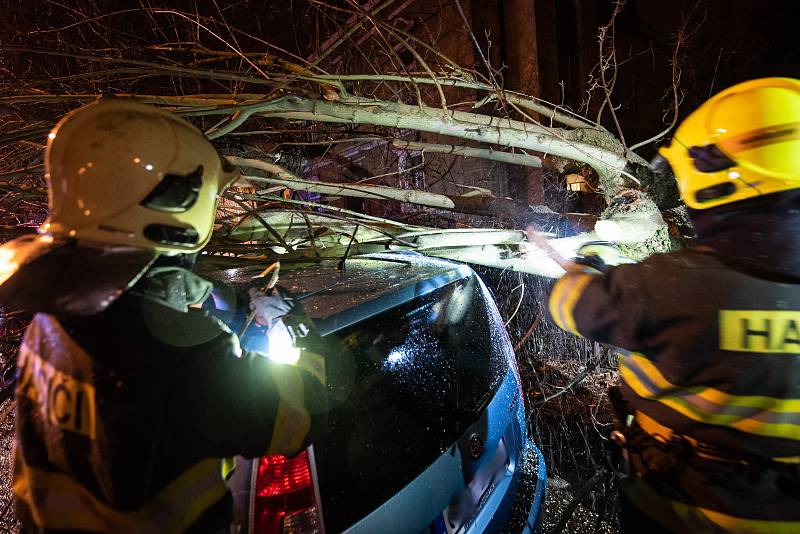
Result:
<point x="605" y="307"/>
<point x="247" y="404"/>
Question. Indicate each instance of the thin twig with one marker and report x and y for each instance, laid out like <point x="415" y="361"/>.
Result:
<point x="574" y="382"/>
<point x="340" y="265"/>
<point x="531" y="329"/>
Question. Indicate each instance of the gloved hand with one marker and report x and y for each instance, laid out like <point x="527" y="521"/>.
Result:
<point x="291" y="336"/>
<point x="270" y="305"/>
<point x="601" y="255"/>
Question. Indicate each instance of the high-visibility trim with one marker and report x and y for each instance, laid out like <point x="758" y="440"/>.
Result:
<point x="711" y="395"/>
<point x="313" y="363"/>
<point x="765" y="416"/>
<point x="58" y="502"/>
<point x="61" y="399"/>
<point x="664" y="433"/>
<point x="228" y="467"/>
<point x="292" y="421"/>
<point x="687" y="518"/>
<point x="762" y="331"/>
<point x="565" y="295"/>
<point x="657" y="430"/>
<point x="555" y="299"/>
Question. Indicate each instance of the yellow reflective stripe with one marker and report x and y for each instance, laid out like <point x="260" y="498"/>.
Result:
<point x="563" y="298"/>
<point x="313" y="363"/>
<point x="228" y="467"/>
<point x="738" y="524"/>
<point x="555" y="300"/>
<point x="568" y="307"/>
<point x="56" y="501"/>
<point x="292" y="421"/>
<point x="664" y="433"/>
<point x="773" y="404"/>
<point x="750" y="401"/>
<point x="680" y="400"/>
<point x="778" y="430"/>
<point x="656" y="429"/>
<point x="680" y="517"/>
<point x="194" y="492"/>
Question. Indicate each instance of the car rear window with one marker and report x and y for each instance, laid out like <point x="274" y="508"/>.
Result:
<point x="421" y="375"/>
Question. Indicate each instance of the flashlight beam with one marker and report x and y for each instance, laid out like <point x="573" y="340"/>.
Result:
<point x="537" y="238"/>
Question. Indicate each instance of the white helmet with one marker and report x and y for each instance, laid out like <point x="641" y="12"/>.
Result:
<point x="127" y="181"/>
<point x="125" y="173"/>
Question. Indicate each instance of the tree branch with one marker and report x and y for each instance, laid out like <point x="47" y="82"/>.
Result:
<point x="481" y="153"/>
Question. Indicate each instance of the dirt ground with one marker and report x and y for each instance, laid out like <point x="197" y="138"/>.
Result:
<point x="8" y="522"/>
<point x="571" y="430"/>
<point x="10" y="335"/>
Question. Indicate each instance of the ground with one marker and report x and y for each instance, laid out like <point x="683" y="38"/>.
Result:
<point x="10" y="334"/>
<point x="571" y="431"/>
<point x="7" y="519"/>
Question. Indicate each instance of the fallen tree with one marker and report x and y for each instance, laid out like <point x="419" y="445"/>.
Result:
<point x="273" y="94"/>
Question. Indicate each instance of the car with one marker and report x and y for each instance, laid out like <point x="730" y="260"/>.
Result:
<point x="429" y="433"/>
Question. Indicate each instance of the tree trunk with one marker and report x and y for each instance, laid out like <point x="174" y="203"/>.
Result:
<point x="523" y="76"/>
<point x="488" y="29"/>
<point x="521" y="47"/>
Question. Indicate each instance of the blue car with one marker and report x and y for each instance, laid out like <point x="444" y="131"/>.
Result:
<point x="428" y="434"/>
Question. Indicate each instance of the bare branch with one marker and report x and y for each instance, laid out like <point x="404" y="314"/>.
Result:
<point x="482" y="153"/>
<point x="482" y="128"/>
<point x="292" y="181"/>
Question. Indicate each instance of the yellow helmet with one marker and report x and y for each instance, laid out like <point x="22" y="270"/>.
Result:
<point x="742" y="143"/>
<point x="125" y="173"/>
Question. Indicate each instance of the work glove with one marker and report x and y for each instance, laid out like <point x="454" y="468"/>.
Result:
<point x="601" y="256"/>
<point x="290" y="336"/>
<point x="276" y="309"/>
<point x="270" y="305"/>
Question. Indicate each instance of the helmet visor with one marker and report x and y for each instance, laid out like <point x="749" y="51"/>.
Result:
<point x="175" y="193"/>
<point x="230" y="173"/>
<point x="709" y="158"/>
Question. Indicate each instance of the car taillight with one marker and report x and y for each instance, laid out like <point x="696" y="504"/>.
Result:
<point x="285" y="499"/>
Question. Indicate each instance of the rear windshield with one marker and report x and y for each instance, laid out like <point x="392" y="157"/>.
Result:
<point x="447" y="344"/>
<point x="422" y="373"/>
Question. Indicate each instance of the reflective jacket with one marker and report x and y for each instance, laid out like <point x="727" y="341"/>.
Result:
<point x="123" y="417"/>
<point x="714" y="335"/>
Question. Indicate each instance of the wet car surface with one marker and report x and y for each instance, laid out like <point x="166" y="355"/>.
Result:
<point x="428" y="433"/>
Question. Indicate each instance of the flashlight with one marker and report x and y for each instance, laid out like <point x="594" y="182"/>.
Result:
<point x="280" y="344"/>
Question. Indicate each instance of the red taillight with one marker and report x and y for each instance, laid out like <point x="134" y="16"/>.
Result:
<point x="282" y="475"/>
<point x="285" y="500"/>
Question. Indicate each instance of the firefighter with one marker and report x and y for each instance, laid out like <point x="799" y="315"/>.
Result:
<point x="127" y="396"/>
<point x="711" y="372"/>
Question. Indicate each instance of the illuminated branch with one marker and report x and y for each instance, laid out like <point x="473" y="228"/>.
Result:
<point x="512" y="212"/>
<point x="471" y="126"/>
<point x="481" y="153"/>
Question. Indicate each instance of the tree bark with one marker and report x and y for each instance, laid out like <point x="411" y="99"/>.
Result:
<point x="547" y="52"/>
<point x="521" y="47"/>
<point x="488" y="30"/>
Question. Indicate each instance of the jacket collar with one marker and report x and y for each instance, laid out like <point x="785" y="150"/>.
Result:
<point x="760" y="234"/>
<point x="175" y="287"/>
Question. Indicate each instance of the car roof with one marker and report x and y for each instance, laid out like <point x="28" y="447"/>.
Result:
<point x="368" y="284"/>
